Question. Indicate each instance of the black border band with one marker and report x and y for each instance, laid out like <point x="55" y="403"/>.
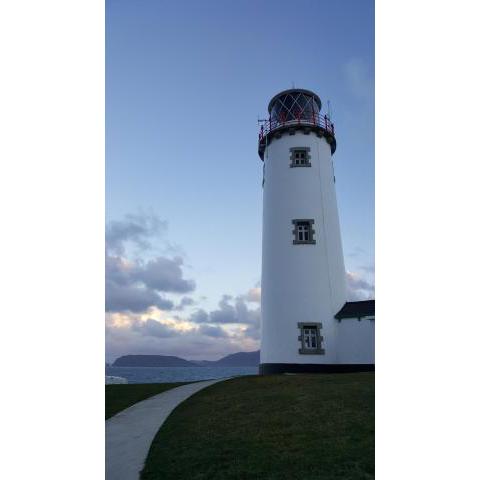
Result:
<point x="275" y="368"/>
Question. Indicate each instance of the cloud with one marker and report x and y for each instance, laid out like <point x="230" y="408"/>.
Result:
<point x="245" y="315"/>
<point x="199" y="316"/>
<point x="160" y="333"/>
<point x="135" y="285"/>
<point x="254" y="295"/>
<point x="358" y="288"/>
<point x="359" y="79"/>
<point x="154" y="328"/>
<point x="228" y="313"/>
<point x="368" y="268"/>
<point x="134" y="228"/>
<point x="234" y="314"/>
<point x="253" y="332"/>
<point x="212" y="331"/>
<point x="185" y="302"/>
<point x="163" y="274"/>
<point x="139" y="310"/>
<point x="120" y="298"/>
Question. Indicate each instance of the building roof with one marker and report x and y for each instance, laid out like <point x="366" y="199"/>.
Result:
<point x="364" y="308"/>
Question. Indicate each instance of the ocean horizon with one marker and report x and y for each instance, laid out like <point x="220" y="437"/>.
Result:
<point x="177" y="374"/>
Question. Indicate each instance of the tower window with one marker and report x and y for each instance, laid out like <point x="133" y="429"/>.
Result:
<point x="310" y="339"/>
<point x="303" y="231"/>
<point x="300" y="157"/>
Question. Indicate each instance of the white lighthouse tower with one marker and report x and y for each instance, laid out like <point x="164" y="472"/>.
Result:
<point x="303" y="272"/>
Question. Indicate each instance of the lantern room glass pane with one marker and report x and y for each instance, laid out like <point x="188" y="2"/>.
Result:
<point x="294" y="106"/>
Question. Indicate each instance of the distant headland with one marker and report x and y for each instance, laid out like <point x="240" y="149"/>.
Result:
<point x="240" y="359"/>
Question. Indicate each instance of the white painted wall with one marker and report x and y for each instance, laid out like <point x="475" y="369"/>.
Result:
<point x="356" y="340"/>
<point x="300" y="283"/>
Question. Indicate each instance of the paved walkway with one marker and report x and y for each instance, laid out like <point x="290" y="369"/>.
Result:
<point x="129" y="434"/>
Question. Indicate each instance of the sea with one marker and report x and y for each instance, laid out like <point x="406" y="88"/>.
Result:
<point x="177" y="374"/>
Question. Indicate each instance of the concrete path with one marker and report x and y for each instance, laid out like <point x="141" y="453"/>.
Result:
<point x="129" y="434"/>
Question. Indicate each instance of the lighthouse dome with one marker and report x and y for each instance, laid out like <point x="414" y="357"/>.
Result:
<point x="294" y="104"/>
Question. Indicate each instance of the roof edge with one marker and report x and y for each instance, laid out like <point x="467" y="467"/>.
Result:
<point x="358" y="309"/>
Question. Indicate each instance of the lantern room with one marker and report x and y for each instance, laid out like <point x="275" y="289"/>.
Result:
<point x="292" y="110"/>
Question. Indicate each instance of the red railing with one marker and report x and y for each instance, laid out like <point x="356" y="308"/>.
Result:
<point x="316" y="120"/>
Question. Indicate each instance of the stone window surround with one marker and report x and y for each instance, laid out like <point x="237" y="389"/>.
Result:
<point x="307" y="156"/>
<point x="311" y="351"/>
<point x="295" y="222"/>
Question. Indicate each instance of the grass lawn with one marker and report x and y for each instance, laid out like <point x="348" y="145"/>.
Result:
<point x="281" y="427"/>
<point x="118" y="397"/>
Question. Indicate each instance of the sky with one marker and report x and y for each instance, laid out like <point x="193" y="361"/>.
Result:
<point x="186" y="82"/>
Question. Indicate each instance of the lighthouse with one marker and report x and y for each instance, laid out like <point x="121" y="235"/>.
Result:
<point x="307" y="324"/>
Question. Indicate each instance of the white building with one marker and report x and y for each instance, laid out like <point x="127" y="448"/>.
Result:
<point x="307" y="325"/>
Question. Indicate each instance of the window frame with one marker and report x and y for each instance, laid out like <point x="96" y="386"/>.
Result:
<point x="300" y="222"/>
<point x="305" y="151"/>
<point x="317" y="327"/>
